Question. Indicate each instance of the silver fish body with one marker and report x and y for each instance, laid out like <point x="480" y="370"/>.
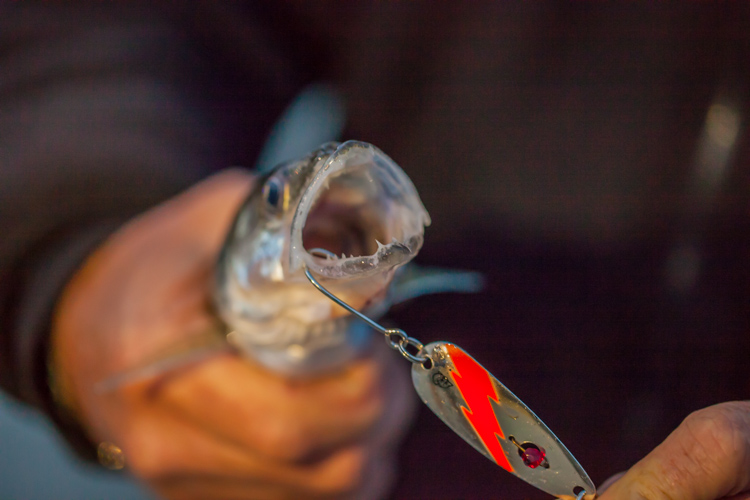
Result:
<point x="349" y="199"/>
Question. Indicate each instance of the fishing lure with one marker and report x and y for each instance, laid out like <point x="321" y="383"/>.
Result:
<point x="485" y="413"/>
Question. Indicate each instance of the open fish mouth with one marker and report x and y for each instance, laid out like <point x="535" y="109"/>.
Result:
<point x="362" y="210"/>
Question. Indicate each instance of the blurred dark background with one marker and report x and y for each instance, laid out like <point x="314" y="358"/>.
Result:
<point x="590" y="159"/>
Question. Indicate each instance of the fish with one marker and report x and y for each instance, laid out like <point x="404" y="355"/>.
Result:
<point x="349" y="214"/>
<point x="352" y="217"/>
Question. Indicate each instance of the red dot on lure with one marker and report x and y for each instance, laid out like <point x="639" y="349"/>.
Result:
<point x="532" y="456"/>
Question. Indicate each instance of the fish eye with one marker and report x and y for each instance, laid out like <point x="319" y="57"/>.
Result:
<point x="273" y="193"/>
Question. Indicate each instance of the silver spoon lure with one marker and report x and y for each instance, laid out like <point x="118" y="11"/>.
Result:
<point x="480" y="409"/>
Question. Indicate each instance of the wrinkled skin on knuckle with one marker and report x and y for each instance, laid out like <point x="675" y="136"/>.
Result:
<point x="651" y="488"/>
<point x="707" y="457"/>
<point x="720" y="441"/>
<point x="695" y="453"/>
<point x="707" y="452"/>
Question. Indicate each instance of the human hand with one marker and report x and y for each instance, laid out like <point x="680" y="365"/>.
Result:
<point x="706" y="458"/>
<point x="224" y="427"/>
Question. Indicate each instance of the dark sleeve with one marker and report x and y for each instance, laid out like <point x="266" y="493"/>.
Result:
<point x="105" y="111"/>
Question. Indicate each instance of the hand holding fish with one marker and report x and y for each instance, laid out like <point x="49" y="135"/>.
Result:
<point x="222" y="427"/>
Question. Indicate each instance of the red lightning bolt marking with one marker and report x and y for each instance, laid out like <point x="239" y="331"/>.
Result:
<point x="476" y="387"/>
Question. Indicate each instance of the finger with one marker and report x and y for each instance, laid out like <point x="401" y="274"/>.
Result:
<point x="348" y="478"/>
<point x="373" y="482"/>
<point x="707" y="457"/>
<point x="216" y="488"/>
<point x="160" y="449"/>
<point x="287" y="420"/>
<point x="205" y="211"/>
<point x="201" y="487"/>
<point x="108" y="307"/>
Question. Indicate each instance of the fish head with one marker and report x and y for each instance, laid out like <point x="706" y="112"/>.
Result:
<point x="346" y="212"/>
<point x="256" y="251"/>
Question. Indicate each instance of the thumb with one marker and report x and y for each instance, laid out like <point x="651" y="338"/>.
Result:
<point x="706" y="458"/>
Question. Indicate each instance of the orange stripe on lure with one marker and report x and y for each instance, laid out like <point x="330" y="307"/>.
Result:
<point x="476" y="387"/>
